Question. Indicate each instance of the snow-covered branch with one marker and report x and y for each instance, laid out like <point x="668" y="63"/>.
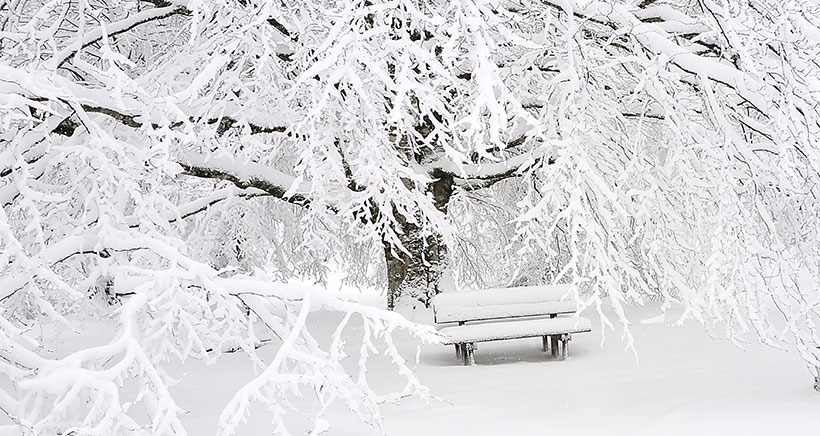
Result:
<point x="650" y="150"/>
<point x="247" y="175"/>
<point x="113" y="29"/>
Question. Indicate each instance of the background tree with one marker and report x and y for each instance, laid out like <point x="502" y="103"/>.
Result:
<point x="174" y="159"/>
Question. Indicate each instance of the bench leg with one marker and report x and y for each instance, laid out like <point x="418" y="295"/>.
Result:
<point x="468" y="350"/>
<point x="554" y="345"/>
<point x="458" y="351"/>
<point x="565" y="338"/>
<point x="545" y="343"/>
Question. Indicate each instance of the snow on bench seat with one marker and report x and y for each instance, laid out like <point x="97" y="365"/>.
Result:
<point x="503" y="303"/>
<point x="529" y="328"/>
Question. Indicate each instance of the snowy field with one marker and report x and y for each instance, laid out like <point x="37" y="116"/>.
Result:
<point x="686" y="384"/>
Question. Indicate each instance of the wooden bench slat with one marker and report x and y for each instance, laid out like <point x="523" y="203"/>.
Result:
<point x="497" y="331"/>
<point x="454" y="313"/>
<point x="503" y="303"/>
<point x="493" y="296"/>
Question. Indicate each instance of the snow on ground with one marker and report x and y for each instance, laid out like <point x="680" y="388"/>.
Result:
<point x="687" y="384"/>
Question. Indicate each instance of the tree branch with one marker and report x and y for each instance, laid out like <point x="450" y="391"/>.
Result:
<point x="68" y="126"/>
<point x="483" y="171"/>
<point x="202" y="204"/>
<point x="246" y="175"/>
<point x="475" y="183"/>
<point x="656" y="40"/>
<point x="113" y="29"/>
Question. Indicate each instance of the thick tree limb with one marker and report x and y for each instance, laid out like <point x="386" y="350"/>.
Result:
<point x="475" y="183"/>
<point x="246" y="175"/>
<point x="485" y="171"/>
<point x="68" y="125"/>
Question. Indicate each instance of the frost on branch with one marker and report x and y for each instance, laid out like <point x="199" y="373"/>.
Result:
<point x="687" y="173"/>
<point x="187" y="311"/>
<point x="96" y="223"/>
<point x="156" y="155"/>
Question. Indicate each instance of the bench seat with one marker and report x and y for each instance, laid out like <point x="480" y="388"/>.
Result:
<point x="528" y="328"/>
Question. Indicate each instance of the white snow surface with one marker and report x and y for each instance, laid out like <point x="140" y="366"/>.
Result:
<point x="492" y="331"/>
<point x="687" y="384"/>
<point x="503" y="303"/>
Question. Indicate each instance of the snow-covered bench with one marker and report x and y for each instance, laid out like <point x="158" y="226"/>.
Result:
<point x="509" y="313"/>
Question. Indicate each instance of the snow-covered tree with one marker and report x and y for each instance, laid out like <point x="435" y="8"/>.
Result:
<point x="173" y="160"/>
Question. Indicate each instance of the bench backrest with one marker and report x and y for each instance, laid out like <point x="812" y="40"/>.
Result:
<point x="499" y="303"/>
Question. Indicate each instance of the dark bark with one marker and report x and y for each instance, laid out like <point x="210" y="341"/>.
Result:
<point x="396" y="273"/>
<point x="416" y="271"/>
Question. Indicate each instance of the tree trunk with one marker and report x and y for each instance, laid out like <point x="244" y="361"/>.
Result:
<point x="417" y="272"/>
<point x="396" y="272"/>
